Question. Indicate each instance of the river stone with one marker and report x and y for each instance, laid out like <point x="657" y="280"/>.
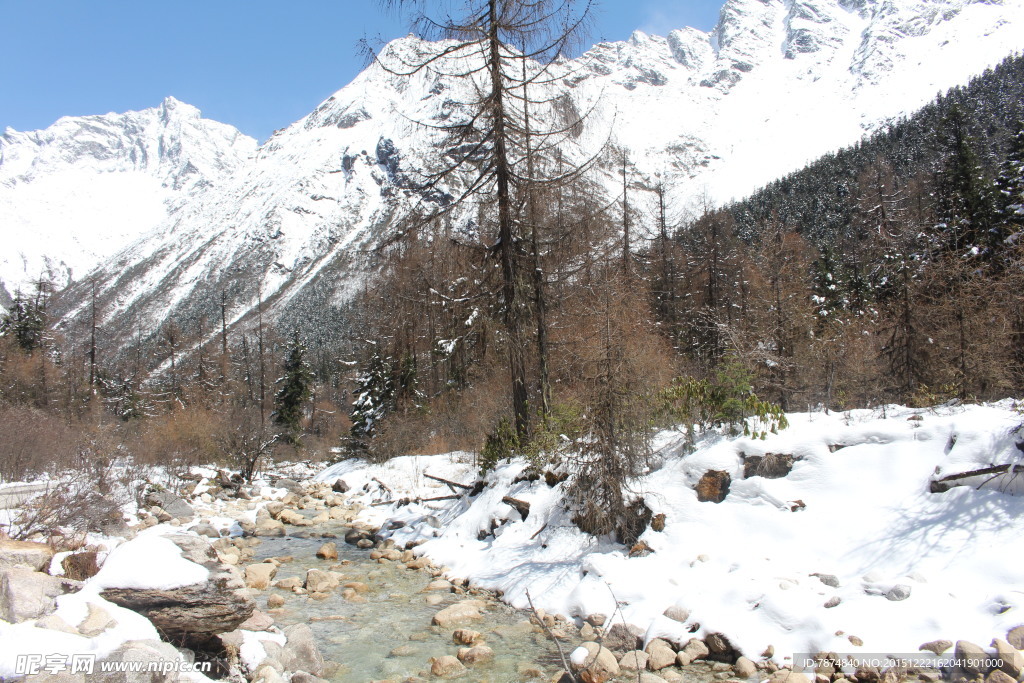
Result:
<point x="898" y="592"/>
<point x="328" y="551"/>
<point x="693" y="650"/>
<point x="660" y="655"/>
<point x="744" y="668"/>
<point x="260" y="575"/>
<point x="34" y="556"/>
<point x="936" y="646"/>
<point x="433" y="599"/>
<point x="646" y="677"/>
<point x="192" y="615"/>
<point x="972" y="656"/>
<point x="446" y="666"/>
<point x="475" y="654"/>
<point x="439" y="585"/>
<point x="274" y="601"/>
<point x="303" y="677"/>
<point x="289" y="583"/>
<point x="269" y="527"/>
<point x="1015" y="637"/>
<point x="1013" y="660"/>
<point x="171" y="504"/>
<point x="27" y="594"/>
<point x="319" y="581"/>
<point x="594" y="663"/>
<point x="259" y="621"/>
<point x="677" y="613"/>
<point x="827" y="579"/>
<point x="147" y="652"/>
<point x="300" y="651"/>
<point x="998" y="676"/>
<point x="788" y="676"/>
<point x="289" y="516"/>
<point x="596" y="619"/>
<point x="623" y="637"/>
<point x="289" y="485"/>
<point x="635" y="661"/>
<point x="55" y="623"/>
<point x="465" y="636"/>
<point x="357" y="586"/>
<point x="467" y="610"/>
<point x="96" y="622"/>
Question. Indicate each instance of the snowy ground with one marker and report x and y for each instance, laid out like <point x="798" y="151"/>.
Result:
<point x="746" y="567"/>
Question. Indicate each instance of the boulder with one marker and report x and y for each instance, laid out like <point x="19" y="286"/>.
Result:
<point x="269" y="527"/>
<point x="999" y="676"/>
<point x="1015" y="637"/>
<point x="96" y="622"/>
<point x="81" y="566"/>
<point x="744" y="668"/>
<point x="446" y="666"/>
<point x="465" y="636"/>
<point x="936" y="646"/>
<point x="693" y="650"/>
<point x="300" y="651"/>
<point x="788" y="676"/>
<point x="972" y="657"/>
<point x="259" y="621"/>
<point x="828" y="579"/>
<point x="898" y="592"/>
<point x="660" y="655"/>
<point x="623" y="637"/>
<point x="290" y="516"/>
<point x="319" y="581"/>
<point x="34" y="556"/>
<point x="289" y="485"/>
<point x="275" y="601"/>
<point x="328" y="551"/>
<point x="719" y="648"/>
<point x="593" y="663"/>
<point x="339" y="486"/>
<point x="475" y="654"/>
<point x="459" y="613"/>
<point x="677" y="613"/>
<point x="27" y="594"/>
<point x="260" y="575"/>
<point x="1012" y="659"/>
<point x="207" y="530"/>
<point x="192" y="615"/>
<point x="713" y="487"/>
<point x="274" y="508"/>
<point x="635" y="661"/>
<point x="171" y="504"/>
<point x="597" y="619"/>
<point x="147" y="652"/>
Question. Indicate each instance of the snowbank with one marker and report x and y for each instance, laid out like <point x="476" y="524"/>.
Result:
<point x="832" y="547"/>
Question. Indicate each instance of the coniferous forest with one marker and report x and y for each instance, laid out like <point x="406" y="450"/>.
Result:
<point x="891" y="271"/>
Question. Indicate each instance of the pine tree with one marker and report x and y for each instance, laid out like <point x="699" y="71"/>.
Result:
<point x="374" y="399"/>
<point x="296" y="388"/>
<point x="26" y="322"/>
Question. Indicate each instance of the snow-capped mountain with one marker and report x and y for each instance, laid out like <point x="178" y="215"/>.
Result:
<point x="714" y="115"/>
<point x="85" y="187"/>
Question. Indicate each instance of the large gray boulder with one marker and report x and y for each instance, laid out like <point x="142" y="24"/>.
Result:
<point x="27" y="594"/>
<point x="35" y="556"/>
<point x="147" y="652"/>
<point x="301" y="652"/>
<point x="192" y="615"/>
<point x="171" y="504"/>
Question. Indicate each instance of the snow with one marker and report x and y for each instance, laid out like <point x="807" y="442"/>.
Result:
<point x="746" y="567"/>
<point x="298" y="216"/>
<point x="252" y="653"/>
<point x="149" y="561"/>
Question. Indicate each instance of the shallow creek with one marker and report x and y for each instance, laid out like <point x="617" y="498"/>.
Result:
<point x="390" y="636"/>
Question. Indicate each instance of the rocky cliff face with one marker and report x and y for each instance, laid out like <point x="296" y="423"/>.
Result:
<point x="774" y="85"/>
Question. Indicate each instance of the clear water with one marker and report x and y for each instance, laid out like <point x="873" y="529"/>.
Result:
<point x="361" y="637"/>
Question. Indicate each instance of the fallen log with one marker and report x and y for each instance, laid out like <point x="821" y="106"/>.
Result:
<point x="946" y="483"/>
<point x="521" y="506"/>
<point x="451" y="484"/>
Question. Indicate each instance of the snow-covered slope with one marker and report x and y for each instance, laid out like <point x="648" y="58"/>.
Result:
<point x="851" y="551"/>
<point x="777" y="83"/>
<point x="86" y="187"/>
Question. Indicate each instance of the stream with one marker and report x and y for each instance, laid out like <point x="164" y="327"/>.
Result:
<point x="390" y="636"/>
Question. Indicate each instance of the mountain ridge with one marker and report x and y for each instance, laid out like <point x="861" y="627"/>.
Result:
<point x="714" y="115"/>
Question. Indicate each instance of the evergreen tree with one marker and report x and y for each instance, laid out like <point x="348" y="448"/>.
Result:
<point x="296" y="388"/>
<point x="26" y="323"/>
<point x="1009" y="189"/>
<point x="374" y="399"/>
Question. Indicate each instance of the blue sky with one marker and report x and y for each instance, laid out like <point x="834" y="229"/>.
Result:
<point x="256" y="64"/>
